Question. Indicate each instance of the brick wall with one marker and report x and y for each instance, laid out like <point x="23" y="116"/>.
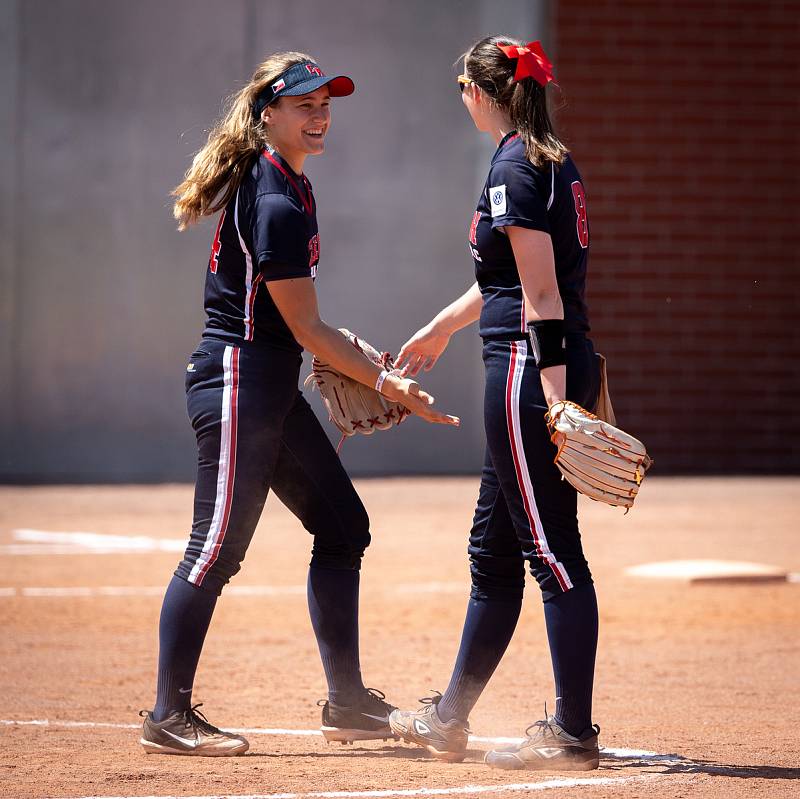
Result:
<point x="683" y="118"/>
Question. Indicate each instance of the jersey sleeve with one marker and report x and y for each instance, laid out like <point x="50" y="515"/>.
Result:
<point x="515" y="198"/>
<point x="280" y="237"/>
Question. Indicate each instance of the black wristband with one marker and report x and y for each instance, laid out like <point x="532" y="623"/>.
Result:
<point x="547" y="342"/>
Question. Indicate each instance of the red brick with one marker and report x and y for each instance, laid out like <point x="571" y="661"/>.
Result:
<point x="689" y="147"/>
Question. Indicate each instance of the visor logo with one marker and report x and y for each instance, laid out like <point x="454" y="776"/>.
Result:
<point x="314" y="70"/>
<point x="278" y="85"/>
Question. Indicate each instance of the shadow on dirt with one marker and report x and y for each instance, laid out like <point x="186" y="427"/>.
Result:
<point x="654" y="764"/>
<point x="675" y="764"/>
<point x="400" y="752"/>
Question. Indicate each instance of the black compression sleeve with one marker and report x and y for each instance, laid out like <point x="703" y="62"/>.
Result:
<point x="547" y="341"/>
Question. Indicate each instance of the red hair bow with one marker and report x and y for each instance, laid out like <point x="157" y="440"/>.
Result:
<point x="531" y="62"/>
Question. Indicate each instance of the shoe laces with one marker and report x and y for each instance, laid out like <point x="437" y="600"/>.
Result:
<point x="378" y="698"/>
<point x="196" y="720"/>
<point x="539" y="726"/>
<point x="192" y="718"/>
<point x="371" y="695"/>
<point x="431" y="700"/>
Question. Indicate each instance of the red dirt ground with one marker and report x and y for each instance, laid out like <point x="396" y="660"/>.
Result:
<point x="705" y="673"/>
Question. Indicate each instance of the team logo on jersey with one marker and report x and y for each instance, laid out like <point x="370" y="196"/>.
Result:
<point x="497" y="200"/>
<point x="278" y="85"/>
<point x="314" y="70"/>
<point x="313" y="249"/>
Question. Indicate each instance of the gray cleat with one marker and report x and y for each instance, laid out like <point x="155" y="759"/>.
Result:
<point x="445" y="741"/>
<point x="550" y="748"/>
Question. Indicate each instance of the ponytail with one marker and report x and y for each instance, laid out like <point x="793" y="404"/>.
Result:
<point x="524" y="100"/>
<point x="528" y="111"/>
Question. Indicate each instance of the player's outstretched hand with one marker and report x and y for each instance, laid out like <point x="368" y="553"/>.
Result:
<point x="409" y="394"/>
<point x="422" y="350"/>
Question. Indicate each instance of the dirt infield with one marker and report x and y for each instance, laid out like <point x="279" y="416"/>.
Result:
<point x="697" y="690"/>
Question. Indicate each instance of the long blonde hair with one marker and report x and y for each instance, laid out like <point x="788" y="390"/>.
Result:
<point x="233" y="143"/>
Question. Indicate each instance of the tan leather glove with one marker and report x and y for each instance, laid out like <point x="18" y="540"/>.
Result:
<point x="598" y="459"/>
<point x="352" y="406"/>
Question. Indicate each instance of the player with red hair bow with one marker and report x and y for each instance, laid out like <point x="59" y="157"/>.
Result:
<point x="529" y="241"/>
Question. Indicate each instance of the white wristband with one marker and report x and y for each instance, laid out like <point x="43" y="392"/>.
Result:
<point x="382" y="378"/>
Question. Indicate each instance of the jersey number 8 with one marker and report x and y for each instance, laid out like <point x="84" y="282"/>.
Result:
<point x="582" y="222"/>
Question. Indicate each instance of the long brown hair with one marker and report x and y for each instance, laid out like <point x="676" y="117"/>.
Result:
<point x="233" y="144"/>
<point x="525" y="100"/>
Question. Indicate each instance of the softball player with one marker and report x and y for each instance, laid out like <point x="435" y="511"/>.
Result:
<point x="529" y="239"/>
<point x="255" y="431"/>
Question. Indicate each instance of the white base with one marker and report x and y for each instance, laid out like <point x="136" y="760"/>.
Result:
<point x="695" y="571"/>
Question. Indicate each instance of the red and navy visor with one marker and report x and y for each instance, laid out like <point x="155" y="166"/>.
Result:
<point x="302" y="79"/>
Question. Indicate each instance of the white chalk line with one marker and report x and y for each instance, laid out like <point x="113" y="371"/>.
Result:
<point x="28" y="541"/>
<point x="401" y="589"/>
<point x="144" y="590"/>
<point x="80" y="542"/>
<point x="627" y="754"/>
<point x="565" y="782"/>
<point x="53" y="542"/>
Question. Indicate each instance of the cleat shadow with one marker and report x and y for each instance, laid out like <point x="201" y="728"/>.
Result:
<point x="678" y="764"/>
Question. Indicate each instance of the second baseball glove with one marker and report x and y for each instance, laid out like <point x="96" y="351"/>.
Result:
<point x="596" y="458"/>
<point x="352" y="406"/>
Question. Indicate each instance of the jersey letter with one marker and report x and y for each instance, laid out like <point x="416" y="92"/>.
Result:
<point x="213" y="261"/>
<point x="313" y="249"/>
<point x="473" y="228"/>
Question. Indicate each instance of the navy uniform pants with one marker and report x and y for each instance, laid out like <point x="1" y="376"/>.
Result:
<point x="525" y="511"/>
<point x="256" y="432"/>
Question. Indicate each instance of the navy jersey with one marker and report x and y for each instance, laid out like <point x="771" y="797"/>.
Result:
<point x="268" y="231"/>
<point x="548" y="198"/>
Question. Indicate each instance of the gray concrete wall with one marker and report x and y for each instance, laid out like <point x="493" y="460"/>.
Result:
<point x="102" y="104"/>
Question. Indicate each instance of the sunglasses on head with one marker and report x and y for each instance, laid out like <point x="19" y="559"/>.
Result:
<point x="463" y="81"/>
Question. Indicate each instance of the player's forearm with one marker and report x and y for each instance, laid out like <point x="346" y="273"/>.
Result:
<point x="546" y="305"/>
<point x="533" y="252"/>
<point x="464" y="311"/>
<point x="554" y="383"/>
<point x="331" y="347"/>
